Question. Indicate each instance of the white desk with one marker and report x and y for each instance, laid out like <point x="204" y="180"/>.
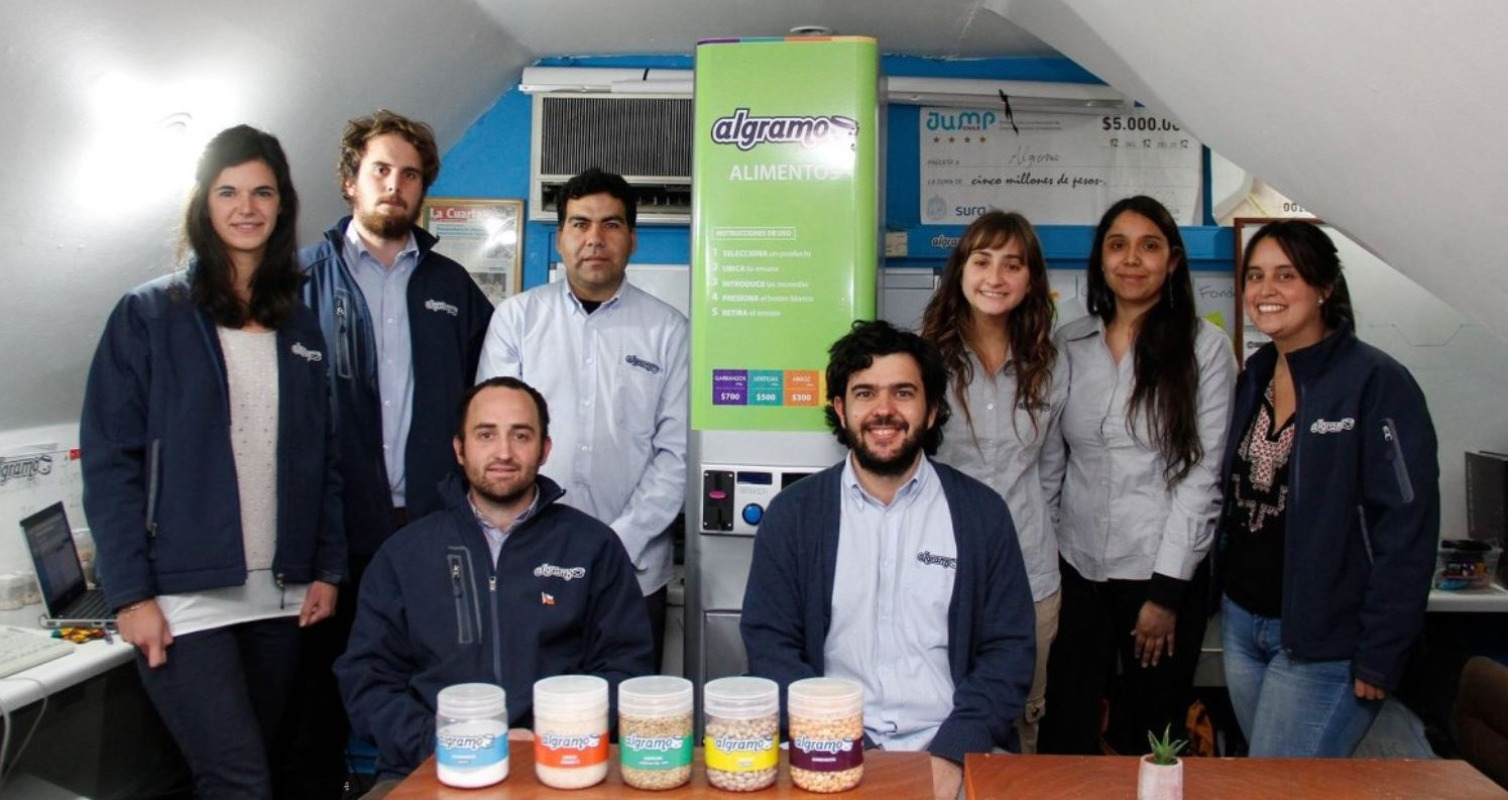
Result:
<point x="86" y="661"/>
<point x="1493" y="598"/>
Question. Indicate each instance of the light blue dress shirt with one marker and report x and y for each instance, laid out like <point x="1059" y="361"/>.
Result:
<point x="616" y="383"/>
<point x="385" y="291"/>
<point x="891" y="590"/>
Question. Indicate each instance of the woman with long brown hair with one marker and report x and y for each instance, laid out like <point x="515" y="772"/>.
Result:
<point x="209" y="474"/>
<point x="1147" y="408"/>
<point x="991" y="319"/>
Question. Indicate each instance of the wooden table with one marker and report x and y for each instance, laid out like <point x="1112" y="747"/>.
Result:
<point x="987" y="777"/>
<point x="890" y="776"/>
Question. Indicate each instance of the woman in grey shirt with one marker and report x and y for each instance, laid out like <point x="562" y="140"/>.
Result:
<point x="1145" y="421"/>
<point x="991" y="319"/>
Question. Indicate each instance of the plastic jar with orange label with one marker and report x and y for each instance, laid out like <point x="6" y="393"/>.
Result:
<point x="570" y="731"/>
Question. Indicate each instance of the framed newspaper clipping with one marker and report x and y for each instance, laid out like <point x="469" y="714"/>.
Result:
<point x="483" y="235"/>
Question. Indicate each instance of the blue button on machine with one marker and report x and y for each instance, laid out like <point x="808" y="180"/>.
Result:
<point x="753" y="513"/>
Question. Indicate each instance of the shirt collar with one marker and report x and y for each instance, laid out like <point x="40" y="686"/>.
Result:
<point x="919" y="481"/>
<point x="611" y="301"/>
<point x="357" y="252"/>
<point x="492" y="532"/>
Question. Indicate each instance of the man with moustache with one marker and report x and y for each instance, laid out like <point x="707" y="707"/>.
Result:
<point x="612" y="360"/>
<point x="506" y="585"/>
<point x="404" y="326"/>
<point x="896" y="571"/>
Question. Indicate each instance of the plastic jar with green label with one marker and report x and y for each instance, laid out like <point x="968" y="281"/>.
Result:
<point x="742" y="744"/>
<point x="826" y="733"/>
<point x="654" y="731"/>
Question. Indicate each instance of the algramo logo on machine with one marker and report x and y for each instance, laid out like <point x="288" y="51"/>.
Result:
<point x="24" y="467"/>
<point x="746" y="132"/>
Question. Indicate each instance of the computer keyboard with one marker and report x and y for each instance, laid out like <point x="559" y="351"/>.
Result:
<point x="20" y="649"/>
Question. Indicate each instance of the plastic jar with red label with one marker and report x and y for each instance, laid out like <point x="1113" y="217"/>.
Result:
<point x="826" y="734"/>
<point x="570" y="731"/>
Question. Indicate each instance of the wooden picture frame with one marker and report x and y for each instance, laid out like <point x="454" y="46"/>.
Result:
<point x="486" y="236"/>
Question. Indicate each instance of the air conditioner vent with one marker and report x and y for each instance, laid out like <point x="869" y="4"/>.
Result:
<point x="647" y="140"/>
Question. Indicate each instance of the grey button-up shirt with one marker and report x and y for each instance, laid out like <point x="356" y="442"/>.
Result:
<point x="1119" y="518"/>
<point x="1022" y="462"/>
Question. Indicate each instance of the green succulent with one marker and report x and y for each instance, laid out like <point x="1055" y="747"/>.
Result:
<point x="1165" y="750"/>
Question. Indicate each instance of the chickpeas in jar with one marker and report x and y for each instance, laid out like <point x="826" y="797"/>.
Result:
<point x="826" y="734"/>
<point x="742" y="738"/>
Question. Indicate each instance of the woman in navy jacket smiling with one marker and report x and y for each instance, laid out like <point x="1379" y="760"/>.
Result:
<point x="209" y="476"/>
<point x="1332" y="509"/>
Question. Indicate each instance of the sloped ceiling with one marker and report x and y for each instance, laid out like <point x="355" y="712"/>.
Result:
<point x="1384" y="117"/>
<point x="1380" y="115"/>
<point x="86" y="87"/>
<point x="938" y="28"/>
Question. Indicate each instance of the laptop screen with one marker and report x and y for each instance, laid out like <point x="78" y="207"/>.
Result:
<point x="55" y="556"/>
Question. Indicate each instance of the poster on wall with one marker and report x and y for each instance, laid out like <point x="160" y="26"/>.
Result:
<point x="484" y="236"/>
<point x="1057" y="169"/>
<point x="785" y="227"/>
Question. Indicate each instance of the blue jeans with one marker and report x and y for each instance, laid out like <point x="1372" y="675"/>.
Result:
<point x="222" y="694"/>
<point x="1287" y="706"/>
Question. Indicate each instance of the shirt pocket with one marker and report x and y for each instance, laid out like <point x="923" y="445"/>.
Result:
<point x="636" y="393"/>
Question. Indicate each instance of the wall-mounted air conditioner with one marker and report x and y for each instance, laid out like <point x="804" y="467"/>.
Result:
<point x="638" y="123"/>
<point x="644" y="138"/>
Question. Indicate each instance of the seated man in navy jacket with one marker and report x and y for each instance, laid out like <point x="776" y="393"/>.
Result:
<point x="505" y="586"/>
<point x="895" y="571"/>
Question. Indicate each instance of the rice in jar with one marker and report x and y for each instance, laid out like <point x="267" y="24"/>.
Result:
<point x="570" y="731"/>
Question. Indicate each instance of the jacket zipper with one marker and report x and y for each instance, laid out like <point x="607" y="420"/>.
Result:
<point x="1395" y="454"/>
<point x="465" y="621"/>
<point x="497" y="638"/>
<point x="154" y="469"/>
<point x="342" y="338"/>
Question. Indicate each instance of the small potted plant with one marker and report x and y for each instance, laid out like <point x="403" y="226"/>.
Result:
<point x="1161" y="774"/>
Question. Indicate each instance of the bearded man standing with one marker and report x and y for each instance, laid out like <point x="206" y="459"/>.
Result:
<point x="895" y="571"/>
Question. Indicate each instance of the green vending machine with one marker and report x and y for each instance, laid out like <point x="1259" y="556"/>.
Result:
<point x="785" y="235"/>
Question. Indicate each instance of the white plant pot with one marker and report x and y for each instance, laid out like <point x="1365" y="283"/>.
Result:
<point x="1159" y="781"/>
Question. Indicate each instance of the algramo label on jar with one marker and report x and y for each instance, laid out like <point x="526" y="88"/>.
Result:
<point x="654" y="752"/>
<point x="570" y="750"/>
<point x="826" y="755"/>
<point x="470" y="745"/>
<point x="734" y="754"/>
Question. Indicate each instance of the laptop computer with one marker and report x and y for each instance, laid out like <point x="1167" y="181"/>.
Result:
<point x="69" y="600"/>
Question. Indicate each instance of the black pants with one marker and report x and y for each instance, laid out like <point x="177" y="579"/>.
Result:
<point x="657" y="604"/>
<point x="1093" y="660"/>
<point x="222" y="694"/>
<point x="312" y="760"/>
